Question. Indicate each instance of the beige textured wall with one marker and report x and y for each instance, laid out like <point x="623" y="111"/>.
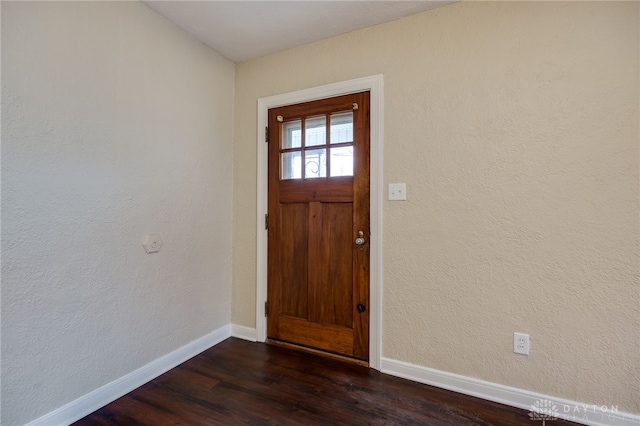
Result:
<point x="115" y="124"/>
<point x="515" y="127"/>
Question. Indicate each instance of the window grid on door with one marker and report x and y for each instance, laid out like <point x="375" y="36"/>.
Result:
<point x="305" y="143"/>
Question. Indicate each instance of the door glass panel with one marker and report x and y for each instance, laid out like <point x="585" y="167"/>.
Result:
<point x="292" y="134"/>
<point x="342" y="127"/>
<point x="315" y="163"/>
<point x="315" y="131"/>
<point x="291" y="165"/>
<point x="342" y="161"/>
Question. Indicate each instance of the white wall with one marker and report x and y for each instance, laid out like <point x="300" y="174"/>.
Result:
<point x="114" y="124"/>
<point x="515" y="127"/>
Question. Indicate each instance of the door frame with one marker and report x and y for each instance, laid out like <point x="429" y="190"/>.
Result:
<point x="373" y="84"/>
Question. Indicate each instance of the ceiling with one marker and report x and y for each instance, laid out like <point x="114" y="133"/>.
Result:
<point x="242" y="30"/>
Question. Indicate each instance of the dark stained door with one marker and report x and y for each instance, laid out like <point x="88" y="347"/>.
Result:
<point x="318" y="249"/>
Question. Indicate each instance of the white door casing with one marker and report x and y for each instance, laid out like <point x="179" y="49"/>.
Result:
<point x="373" y="84"/>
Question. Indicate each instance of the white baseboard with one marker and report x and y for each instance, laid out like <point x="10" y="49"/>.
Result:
<point x="102" y="396"/>
<point x="570" y="410"/>
<point x="561" y="408"/>
<point x="245" y="333"/>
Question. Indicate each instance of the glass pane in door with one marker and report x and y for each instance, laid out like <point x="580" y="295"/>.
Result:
<point x="292" y="134"/>
<point x="291" y="165"/>
<point x="342" y="161"/>
<point x="315" y="131"/>
<point x="342" y="127"/>
<point x="315" y="163"/>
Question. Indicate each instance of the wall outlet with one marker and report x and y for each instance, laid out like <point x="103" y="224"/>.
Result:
<point x="521" y="343"/>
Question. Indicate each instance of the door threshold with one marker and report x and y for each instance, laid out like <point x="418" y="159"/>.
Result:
<point x="317" y="352"/>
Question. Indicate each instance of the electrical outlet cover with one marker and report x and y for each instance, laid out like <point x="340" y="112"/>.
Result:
<point x="521" y="343"/>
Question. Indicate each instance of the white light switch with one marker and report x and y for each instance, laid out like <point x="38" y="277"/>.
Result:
<point x="397" y="191"/>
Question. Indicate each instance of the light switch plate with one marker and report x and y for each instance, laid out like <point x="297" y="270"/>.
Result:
<point x="397" y="191"/>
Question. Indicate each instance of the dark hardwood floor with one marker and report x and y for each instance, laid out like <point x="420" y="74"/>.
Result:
<point x="238" y="382"/>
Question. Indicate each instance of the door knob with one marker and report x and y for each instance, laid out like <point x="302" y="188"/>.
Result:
<point x="361" y="308"/>
<point x="360" y="240"/>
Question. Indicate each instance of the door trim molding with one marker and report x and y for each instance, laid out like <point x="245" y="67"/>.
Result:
<point x="373" y="84"/>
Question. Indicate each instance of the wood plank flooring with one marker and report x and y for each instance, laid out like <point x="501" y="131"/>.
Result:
<point x="239" y="382"/>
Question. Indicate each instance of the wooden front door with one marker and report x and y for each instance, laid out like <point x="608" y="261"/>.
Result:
<point x="318" y="249"/>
